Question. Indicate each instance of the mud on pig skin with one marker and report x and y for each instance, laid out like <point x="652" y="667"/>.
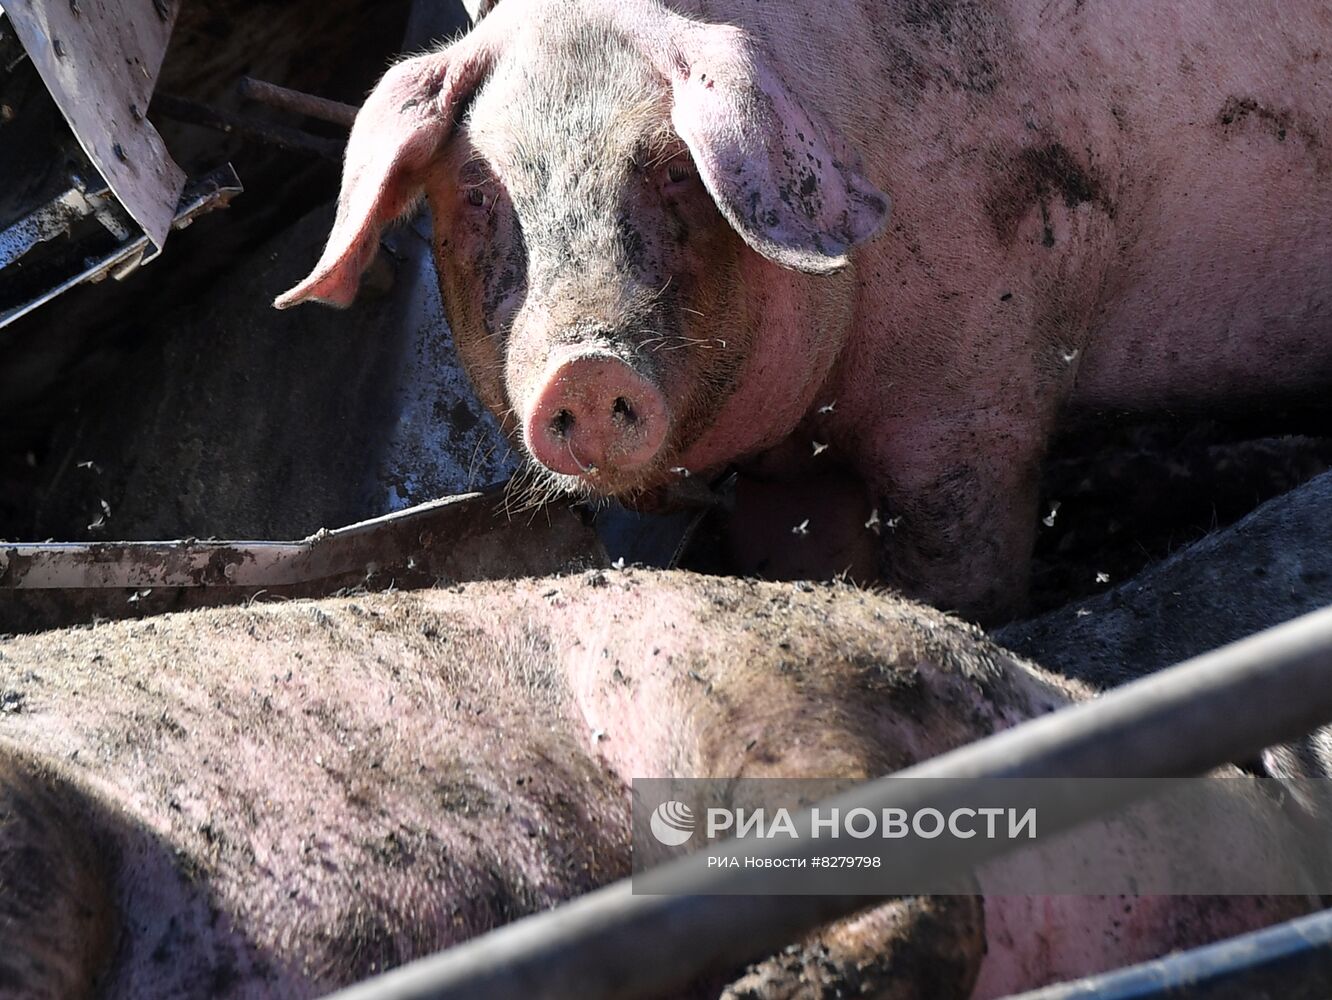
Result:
<point x="279" y="799"/>
<point x="664" y="243"/>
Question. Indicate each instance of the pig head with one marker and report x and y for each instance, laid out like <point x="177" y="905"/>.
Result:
<point x="612" y="189"/>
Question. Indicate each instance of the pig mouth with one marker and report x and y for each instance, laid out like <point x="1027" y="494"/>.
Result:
<point x="629" y="487"/>
<point x="658" y="491"/>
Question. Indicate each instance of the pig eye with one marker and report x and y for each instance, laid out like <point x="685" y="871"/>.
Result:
<point x="476" y="197"/>
<point x="679" y="171"/>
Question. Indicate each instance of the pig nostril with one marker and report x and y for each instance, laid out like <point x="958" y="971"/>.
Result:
<point x="562" y="424"/>
<point x="622" y="409"/>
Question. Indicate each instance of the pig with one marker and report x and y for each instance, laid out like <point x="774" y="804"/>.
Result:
<point x="663" y="235"/>
<point x="280" y="799"/>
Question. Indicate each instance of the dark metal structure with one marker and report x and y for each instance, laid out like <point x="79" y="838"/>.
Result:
<point x="87" y="187"/>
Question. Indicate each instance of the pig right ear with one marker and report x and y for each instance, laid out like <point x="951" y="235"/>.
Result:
<point x="398" y="131"/>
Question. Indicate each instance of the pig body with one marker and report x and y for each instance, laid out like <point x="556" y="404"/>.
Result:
<point x="665" y="246"/>
<point x="281" y="799"/>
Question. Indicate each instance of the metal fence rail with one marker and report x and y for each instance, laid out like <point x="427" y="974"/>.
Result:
<point x="1225" y="705"/>
<point x="1291" y="961"/>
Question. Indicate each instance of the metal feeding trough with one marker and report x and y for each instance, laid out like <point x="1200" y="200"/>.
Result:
<point x="460" y="538"/>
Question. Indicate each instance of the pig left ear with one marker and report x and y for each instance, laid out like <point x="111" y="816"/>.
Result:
<point x="788" y="184"/>
<point x="403" y="124"/>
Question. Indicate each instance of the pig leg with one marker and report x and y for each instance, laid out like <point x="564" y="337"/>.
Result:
<point x="958" y="511"/>
<point x="958" y="487"/>
<point x="58" y="918"/>
<point x="947" y="401"/>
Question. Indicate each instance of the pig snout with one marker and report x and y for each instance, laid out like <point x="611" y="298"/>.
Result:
<point x="595" y="413"/>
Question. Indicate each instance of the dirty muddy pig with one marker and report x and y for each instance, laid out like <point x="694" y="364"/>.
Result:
<point x="279" y="799"/>
<point x="667" y="247"/>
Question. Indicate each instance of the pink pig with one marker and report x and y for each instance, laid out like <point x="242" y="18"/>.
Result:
<point x="663" y="240"/>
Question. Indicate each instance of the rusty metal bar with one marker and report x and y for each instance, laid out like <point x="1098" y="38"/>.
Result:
<point x="296" y="101"/>
<point x="467" y="537"/>
<point x="614" y="945"/>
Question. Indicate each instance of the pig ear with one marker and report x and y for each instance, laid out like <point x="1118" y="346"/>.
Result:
<point x="398" y="131"/>
<point x="787" y="183"/>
